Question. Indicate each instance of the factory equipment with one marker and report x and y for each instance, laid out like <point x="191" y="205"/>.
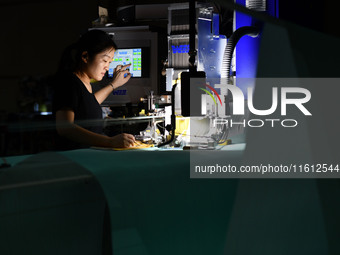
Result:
<point x="195" y="61"/>
<point x="201" y="66"/>
<point x="204" y="64"/>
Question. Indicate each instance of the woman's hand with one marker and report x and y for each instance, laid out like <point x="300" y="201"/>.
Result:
<point x="121" y="75"/>
<point x="122" y="141"/>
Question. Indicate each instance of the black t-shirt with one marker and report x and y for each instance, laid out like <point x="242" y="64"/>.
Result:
<point x="71" y="93"/>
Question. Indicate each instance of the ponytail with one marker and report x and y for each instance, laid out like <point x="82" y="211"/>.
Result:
<point x="93" y="42"/>
<point x="68" y="61"/>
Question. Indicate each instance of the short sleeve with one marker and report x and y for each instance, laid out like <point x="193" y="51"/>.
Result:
<point x="65" y="93"/>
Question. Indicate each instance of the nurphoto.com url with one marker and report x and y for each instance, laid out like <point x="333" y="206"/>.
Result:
<point x="264" y="169"/>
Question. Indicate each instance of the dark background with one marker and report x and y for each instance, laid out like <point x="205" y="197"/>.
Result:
<point x="35" y="32"/>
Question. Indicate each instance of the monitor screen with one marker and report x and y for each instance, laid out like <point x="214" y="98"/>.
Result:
<point x="127" y="56"/>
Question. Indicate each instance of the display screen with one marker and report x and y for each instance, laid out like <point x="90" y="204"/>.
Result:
<point x="127" y="56"/>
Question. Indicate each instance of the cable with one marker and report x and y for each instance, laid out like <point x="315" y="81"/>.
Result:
<point x="173" y="118"/>
<point x="229" y="49"/>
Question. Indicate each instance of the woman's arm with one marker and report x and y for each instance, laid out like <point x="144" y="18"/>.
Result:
<point x="119" y="79"/>
<point x="66" y="128"/>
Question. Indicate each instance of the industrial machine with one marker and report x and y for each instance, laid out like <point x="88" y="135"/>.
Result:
<point x="209" y="72"/>
<point x="194" y="106"/>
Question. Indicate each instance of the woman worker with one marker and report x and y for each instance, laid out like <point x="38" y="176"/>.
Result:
<point x="77" y="109"/>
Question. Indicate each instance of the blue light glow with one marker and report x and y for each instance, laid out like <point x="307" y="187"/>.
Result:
<point x="180" y="48"/>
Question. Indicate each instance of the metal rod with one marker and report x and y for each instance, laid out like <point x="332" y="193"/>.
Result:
<point x="192" y="35"/>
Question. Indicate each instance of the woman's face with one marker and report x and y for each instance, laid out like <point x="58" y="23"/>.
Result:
<point x="99" y="65"/>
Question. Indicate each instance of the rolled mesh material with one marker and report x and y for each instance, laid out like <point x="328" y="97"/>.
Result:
<point x="256" y="5"/>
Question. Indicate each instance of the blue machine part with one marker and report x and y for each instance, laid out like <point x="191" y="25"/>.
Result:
<point x="273" y="8"/>
<point x="247" y="49"/>
<point x="184" y="48"/>
<point x="211" y="47"/>
<point x="216" y="24"/>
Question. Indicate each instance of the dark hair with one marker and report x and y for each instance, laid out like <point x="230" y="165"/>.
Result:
<point x="93" y="42"/>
